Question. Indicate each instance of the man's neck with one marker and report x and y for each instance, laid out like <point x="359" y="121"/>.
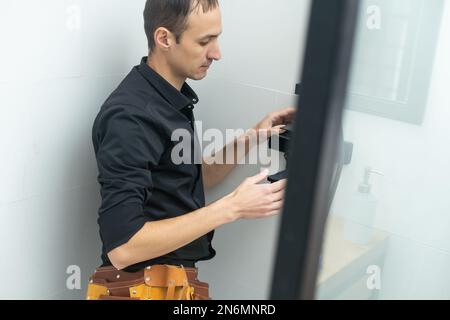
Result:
<point x="163" y="69"/>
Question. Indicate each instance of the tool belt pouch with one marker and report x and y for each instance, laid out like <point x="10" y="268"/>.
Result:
<point x="157" y="282"/>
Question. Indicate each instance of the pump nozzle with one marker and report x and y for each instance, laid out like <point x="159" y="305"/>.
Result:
<point x="365" y="186"/>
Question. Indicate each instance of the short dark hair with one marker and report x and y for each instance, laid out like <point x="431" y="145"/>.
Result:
<point x="171" y="14"/>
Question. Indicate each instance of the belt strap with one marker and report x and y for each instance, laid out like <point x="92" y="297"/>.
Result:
<point x="157" y="282"/>
<point x="165" y="276"/>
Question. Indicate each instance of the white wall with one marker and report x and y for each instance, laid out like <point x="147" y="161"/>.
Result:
<point x="59" y="61"/>
<point x="413" y="195"/>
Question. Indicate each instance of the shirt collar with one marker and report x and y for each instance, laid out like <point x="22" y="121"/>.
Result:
<point x="180" y="100"/>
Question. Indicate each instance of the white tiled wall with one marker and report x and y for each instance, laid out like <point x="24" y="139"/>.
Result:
<point x="59" y="61"/>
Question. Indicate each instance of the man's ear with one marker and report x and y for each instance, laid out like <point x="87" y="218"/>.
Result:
<point x="163" y="38"/>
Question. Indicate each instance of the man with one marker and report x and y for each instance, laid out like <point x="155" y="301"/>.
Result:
<point x="153" y="216"/>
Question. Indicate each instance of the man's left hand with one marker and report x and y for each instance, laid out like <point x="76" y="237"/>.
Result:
<point x="275" y="122"/>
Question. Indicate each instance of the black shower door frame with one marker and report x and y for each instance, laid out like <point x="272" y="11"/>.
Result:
<point x="314" y="147"/>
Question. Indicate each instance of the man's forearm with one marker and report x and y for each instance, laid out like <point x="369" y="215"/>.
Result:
<point x="158" y="238"/>
<point x="219" y="165"/>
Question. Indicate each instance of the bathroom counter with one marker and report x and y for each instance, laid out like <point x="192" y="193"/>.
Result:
<point x="344" y="264"/>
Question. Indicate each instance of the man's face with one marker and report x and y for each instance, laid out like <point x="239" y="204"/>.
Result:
<point x="199" y="45"/>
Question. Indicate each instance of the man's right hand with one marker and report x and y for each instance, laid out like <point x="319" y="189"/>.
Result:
<point x="255" y="200"/>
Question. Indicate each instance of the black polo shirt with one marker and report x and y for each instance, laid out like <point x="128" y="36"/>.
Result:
<point x="132" y="137"/>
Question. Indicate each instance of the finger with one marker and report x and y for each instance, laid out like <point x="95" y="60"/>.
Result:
<point x="285" y="112"/>
<point x="288" y="112"/>
<point x="277" y="205"/>
<point x="279" y="185"/>
<point x="259" y="177"/>
<point x="278" y="129"/>
<point x="283" y="116"/>
<point x="273" y="213"/>
<point x="278" y="196"/>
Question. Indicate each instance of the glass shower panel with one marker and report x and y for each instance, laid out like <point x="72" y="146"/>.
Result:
<point x="388" y="230"/>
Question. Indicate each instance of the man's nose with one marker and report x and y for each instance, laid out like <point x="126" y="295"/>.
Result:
<point x="215" y="53"/>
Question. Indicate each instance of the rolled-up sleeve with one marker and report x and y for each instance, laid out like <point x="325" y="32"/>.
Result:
<point x="127" y="145"/>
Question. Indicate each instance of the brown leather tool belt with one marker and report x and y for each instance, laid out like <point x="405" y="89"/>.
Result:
<point x="157" y="282"/>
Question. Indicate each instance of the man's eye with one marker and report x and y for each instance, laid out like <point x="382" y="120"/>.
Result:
<point x="203" y="43"/>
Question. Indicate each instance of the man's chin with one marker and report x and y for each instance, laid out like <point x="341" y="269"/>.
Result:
<point x="198" y="76"/>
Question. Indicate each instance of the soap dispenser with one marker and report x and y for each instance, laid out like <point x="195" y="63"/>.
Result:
<point x="360" y="215"/>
